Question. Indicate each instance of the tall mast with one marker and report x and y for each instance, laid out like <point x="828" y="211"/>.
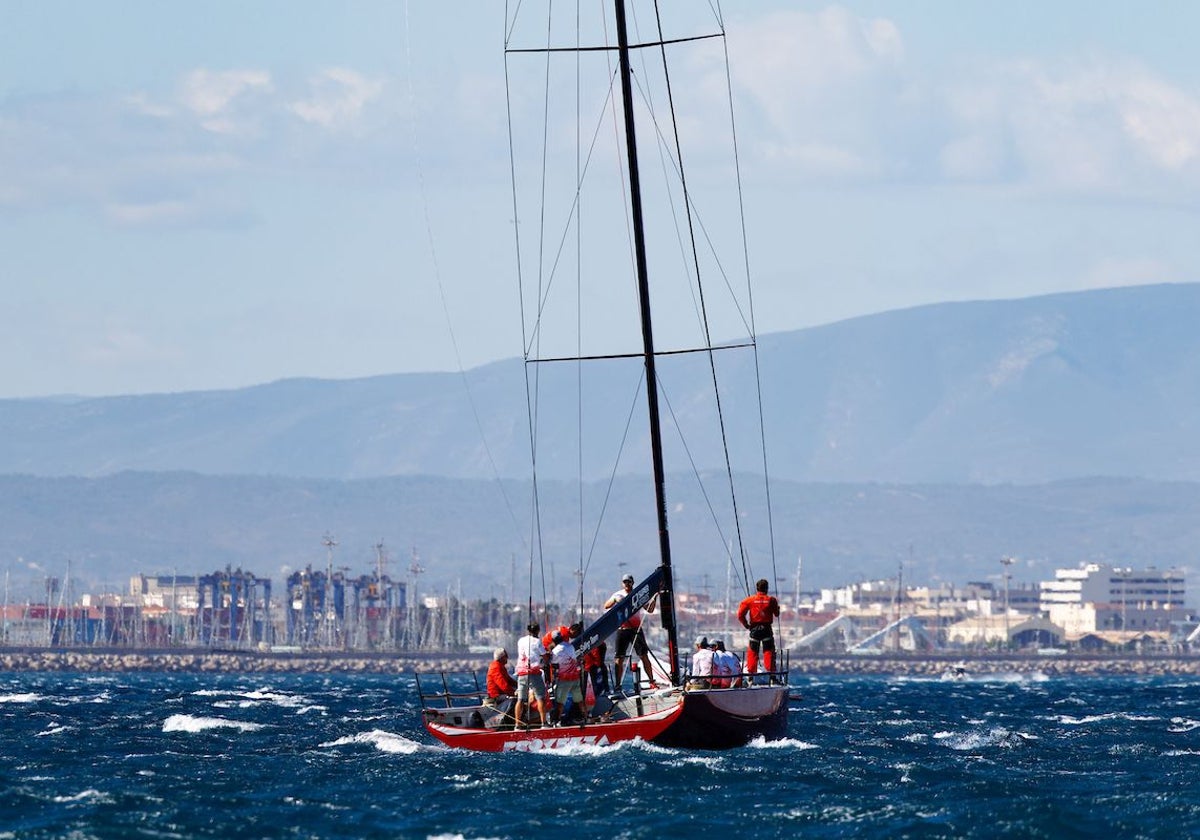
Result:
<point x="639" y="244"/>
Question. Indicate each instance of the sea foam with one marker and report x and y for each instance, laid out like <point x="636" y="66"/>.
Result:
<point x="384" y="741"/>
<point x="192" y="723"/>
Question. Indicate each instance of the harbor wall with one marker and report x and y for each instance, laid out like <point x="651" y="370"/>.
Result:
<point x="207" y="661"/>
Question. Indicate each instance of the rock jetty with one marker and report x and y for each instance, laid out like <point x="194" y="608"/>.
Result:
<point x="234" y="662"/>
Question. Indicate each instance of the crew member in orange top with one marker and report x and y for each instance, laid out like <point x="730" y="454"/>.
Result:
<point x="756" y="614"/>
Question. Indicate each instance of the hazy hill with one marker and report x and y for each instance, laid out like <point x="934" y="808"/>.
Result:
<point x="1033" y="390"/>
<point x="474" y="534"/>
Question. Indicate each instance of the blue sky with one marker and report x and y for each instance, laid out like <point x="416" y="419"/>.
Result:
<point x="199" y="196"/>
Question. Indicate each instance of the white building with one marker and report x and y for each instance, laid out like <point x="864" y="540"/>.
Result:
<point x="1095" y="598"/>
<point x="169" y="591"/>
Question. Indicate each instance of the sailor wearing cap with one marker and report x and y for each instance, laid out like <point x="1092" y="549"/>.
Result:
<point x="630" y="633"/>
<point x="532" y="658"/>
<point x="723" y="670"/>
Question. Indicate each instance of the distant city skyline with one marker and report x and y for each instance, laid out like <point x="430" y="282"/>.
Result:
<point x="213" y="196"/>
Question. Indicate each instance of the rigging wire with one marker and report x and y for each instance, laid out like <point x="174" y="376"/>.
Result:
<point x="762" y="423"/>
<point x="704" y="490"/>
<point x="700" y="290"/>
<point x="612" y="477"/>
<point x="670" y="149"/>
<point x="534" y="543"/>
<point x="579" y="304"/>
<point x="437" y="273"/>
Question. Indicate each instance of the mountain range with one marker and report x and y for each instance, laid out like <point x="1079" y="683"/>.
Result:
<point x="1059" y="428"/>
<point x="1033" y="390"/>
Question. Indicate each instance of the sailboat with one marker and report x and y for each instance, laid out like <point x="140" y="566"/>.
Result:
<point x="684" y="713"/>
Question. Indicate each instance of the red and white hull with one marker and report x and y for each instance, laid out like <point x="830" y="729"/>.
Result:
<point x="647" y="727"/>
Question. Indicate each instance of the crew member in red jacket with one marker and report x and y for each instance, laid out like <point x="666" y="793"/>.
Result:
<point x="756" y="614"/>
<point x="499" y="682"/>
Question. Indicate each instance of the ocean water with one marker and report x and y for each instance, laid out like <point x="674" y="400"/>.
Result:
<point x="295" y="756"/>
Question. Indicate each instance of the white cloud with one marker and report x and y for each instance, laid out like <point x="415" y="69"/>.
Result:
<point x="1110" y="272"/>
<point x="118" y="346"/>
<point x="214" y="96"/>
<point x="839" y="96"/>
<point x="1163" y="120"/>
<point x="159" y="212"/>
<point x="141" y="103"/>
<point x="1084" y="125"/>
<point x="827" y="85"/>
<point x="338" y="97"/>
<point x="188" y="211"/>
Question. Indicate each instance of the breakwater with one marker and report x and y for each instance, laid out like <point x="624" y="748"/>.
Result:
<point x="210" y="661"/>
<point x="233" y="662"/>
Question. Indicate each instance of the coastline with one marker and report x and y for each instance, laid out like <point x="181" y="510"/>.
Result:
<point x="242" y="662"/>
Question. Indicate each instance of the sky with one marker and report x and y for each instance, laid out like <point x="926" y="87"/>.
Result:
<point x="214" y="195"/>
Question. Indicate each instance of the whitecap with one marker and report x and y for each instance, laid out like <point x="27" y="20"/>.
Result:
<point x="89" y="795"/>
<point x="248" y="698"/>
<point x="20" y="698"/>
<point x="384" y="741"/>
<point x="192" y="723"/>
<point x="780" y="744"/>
<point x="276" y="697"/>
<point x="54" y="730"/>
<point x="1079" y="721"/>
<point x="710" y="762"/>
<point x="995" y="737"/>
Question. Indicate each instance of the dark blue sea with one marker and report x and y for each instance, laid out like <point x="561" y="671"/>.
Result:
<point x="154" y="755"/>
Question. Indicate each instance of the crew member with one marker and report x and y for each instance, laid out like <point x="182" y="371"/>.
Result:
<point x="728" y="663"/>
<point x="756" y="613"/>
<point x="596" y="669"/>
<point x="702" y="665"/>
<point x="630" y="633"/>
<point x="565" y="665"/>
<point x="532" y="658"/>
<point x="500" y="683"/>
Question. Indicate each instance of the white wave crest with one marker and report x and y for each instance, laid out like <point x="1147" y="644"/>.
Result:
<point x="1079" y="721"/>
<point x="192" y="723"/>
<point x="781" y="744"/>
<point x="380" y="739"/>
<point x="995" y="737"/>
<point x="245" y="699"/>
<point x="20" y="698"/>
<point x="54" y="730"/>
<point x="89" y="795"/>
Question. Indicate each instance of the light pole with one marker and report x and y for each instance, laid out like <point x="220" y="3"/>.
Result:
<point x="1006" y="562"/>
